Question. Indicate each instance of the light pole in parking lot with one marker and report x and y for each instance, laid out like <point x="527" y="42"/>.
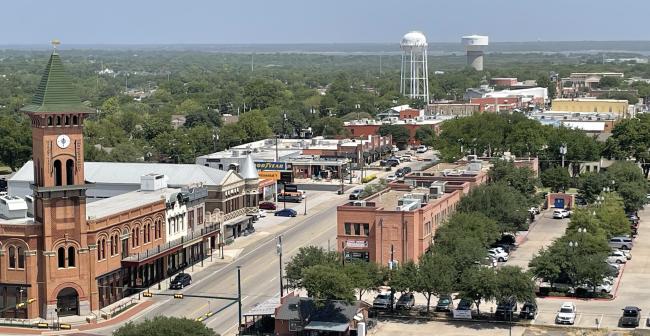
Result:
<point x="563" y="151"/>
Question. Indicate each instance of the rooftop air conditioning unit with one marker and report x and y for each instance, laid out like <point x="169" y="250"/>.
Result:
<point x="359" y="203"/>
<point x="471" y="157"/>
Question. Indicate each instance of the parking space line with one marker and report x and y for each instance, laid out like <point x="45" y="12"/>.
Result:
<point x="577" y="321"/>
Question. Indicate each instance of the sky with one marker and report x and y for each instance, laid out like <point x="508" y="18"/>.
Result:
<point x="322" y="21"/>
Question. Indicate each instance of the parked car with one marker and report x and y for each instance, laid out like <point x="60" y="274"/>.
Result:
<point x="631" y="317"/>
<point x="403" y="171"/>
<point x="614" y="269"/>
<point x="606" y="286"/>
<point x="505" y="310"/>
<point x="267" y="205"/>
<point x="626" y="253"/>
<point x="445" y="303"/>
<point x="465" y="304"/>
<point x="421" y="149"/>
<point x="528" y="310"/>
<point x="406" y="158"/>
<point x="406" y="301"/>
<point x="288" y="212"/>
<point x="499" y="254"/>
<point x="393" y="162"/>
<point x="391" y="178"/>
<point x="294" y="197"/>
<point x="395" y="149"/>
<point x="534" y="210"/>
<point x="561" y="213"/>
<point x="354" y="195"/>
<point x="505" y="247"/>
<point x="487" y="262"/>
<point x="623" y="243"/>
<point x="507" y="239"/>
<point x="566" y="314"/>
<point x="259" y="214"/>
<point x="181" y="280"/>
<point x="617" y="256"/>
<point x="382" y="301"/>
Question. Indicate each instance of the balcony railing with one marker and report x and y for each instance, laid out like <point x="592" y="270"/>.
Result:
<point x="173" y="244"/>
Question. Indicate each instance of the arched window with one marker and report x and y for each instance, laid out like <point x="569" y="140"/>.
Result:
<point x="112" y="247"/>
<point x="61" y="257"/>
<point x="58" y="178"/>
<point x="99" y="250"/>
<point x="75" y="120"/>
<point x="49" y="121"/>
<point x="66" y="120"/>
<point x="103" y="248"/>
<point x="133" y="237"/>
<point x="69" y="171"/>
<point x="12" y="257"/>
<point x="137" y="236"/>
<point x="21" y="258"/>
<point x="71" y="256"/>
<point x="58" y="120"/>
<point x="116" y="242"/>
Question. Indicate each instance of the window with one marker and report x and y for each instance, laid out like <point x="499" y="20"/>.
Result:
<point x="133" y="237"/>
<point x="347" y="229"/>
<point x="69" y="172"/>
<point x="366" y="230"/>
<point x="49" y="121"/>
<point x="58" y="177"/>
<point x="112" y="241"/>
<point x="72" y="255"/>
<point x="66" y="120"/>
<point x="58" y="120"/>
<point x="190" y="219"/>
<point x="199" y="216"/>
<point x="357" y="229"/>
<point x="75" y="120"/>
<point x="61" y="257"/>
<point x="157" y="228"/>
<point x="137" y="236"/>
<point x="12" y="257"/>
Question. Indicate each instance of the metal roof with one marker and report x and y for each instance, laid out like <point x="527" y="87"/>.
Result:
<point x="130" y="200"/>
<point x="130" y="173"/>
<point x="55" y="92"/>
<point x="265" y="308"/>
<point x="327" y="326"/>
<point x="248" y="169"/>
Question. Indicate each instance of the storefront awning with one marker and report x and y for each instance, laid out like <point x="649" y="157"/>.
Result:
<point x="327" y="326"/>
<point x="236" y="220"/>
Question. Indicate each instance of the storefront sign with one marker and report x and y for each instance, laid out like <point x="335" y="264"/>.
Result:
<point x="271" y="165"/>
<point x="356" y="243"/>
<point x="269" y="175"/>
<point x="290" y="188"/>
<point x="462" y="314"/>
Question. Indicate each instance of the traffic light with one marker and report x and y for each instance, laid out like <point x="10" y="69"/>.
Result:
<point x="147" y="294"/>
<point x="178" y="296"/>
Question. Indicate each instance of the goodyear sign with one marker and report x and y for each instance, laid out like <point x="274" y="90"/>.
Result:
<point x="272" y="166"/>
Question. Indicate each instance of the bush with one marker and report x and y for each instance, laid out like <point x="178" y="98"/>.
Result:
<point x="368" y="178"/>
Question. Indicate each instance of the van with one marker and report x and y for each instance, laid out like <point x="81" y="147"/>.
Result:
<point x="623" y="243"/>
<point x="392" y="162"/>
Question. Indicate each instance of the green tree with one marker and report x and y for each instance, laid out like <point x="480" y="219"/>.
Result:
<point x="110" y="106"/>
<point x="231" y="135"/>
<point x="399" y="133"/>
<point x="15" y="141"/>
<point x="499" y="202"/>
<point x="365" y="276"/>
<point x="436" y="275"/>
<point x="165" y="326"/>
<point x="255" y="125"/>
<point x="634" y="194"/>
<point x="307" y="256"/>
<point x="468" y="224"/>
<point x="556" y="178"/>
<point x="591" y="185"/>
<point x="404" y="277"/>
<point x="126" y="152"/>
<point x="611" y="216"/>
<point x="545" y="81"/>
<point x="327" y="282"/>
<point x="609" y="82"/>
<point x="478" y="284"/>
<point x="520" y="178"/>
<point x="546" y="265"/>
<point x="417" y="103"/>
<point x="513" y="282"/>
<point x="630" y="140"/>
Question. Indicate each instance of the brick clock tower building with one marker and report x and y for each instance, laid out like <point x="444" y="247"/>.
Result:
<point x="65" y="260"/>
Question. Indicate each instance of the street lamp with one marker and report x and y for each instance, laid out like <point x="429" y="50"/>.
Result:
<point x="278" y="247"/>
<point x="305" y="193"/>
<point x="563" y="151"/>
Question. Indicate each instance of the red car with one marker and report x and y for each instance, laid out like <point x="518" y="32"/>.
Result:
<point x="267" y="206"/>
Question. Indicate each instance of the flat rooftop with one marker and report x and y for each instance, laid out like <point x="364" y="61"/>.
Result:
<point x="389" y="200"/>
<point x="17" y="221"/>
<point x="127" y="201"/>
<point x="440" y="167"/>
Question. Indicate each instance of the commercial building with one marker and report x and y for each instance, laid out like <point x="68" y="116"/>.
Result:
<point x="507" y="99"/>
<point x="597" y="124"/>
<point x="399" y="223"/>
<point x="72" y="257"/>
<point x="620" y="108"/>
<point x="368" y="127"/>
<point x="584" y="81"/>
<point x="452" y="109"/>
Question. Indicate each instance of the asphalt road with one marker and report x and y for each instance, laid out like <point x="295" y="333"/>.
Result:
<point x="259" y="275"/>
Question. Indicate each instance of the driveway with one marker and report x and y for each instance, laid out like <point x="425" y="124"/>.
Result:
<point x="542" y="232"/>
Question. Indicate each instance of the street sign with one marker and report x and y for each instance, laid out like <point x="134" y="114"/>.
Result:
<point x="291" y="188"/>
<point x="269" y="175"/>
<point x="462" y="314"/>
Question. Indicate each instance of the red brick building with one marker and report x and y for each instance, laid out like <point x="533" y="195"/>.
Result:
<point x="371" y="127"/>
<point x="490" y="104"/>
<point x="400" y="222"/>
<point x="72" y="258"/>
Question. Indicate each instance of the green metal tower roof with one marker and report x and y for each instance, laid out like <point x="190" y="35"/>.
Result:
<point x="55" y="93"/>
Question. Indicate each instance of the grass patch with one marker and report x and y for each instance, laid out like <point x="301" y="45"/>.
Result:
<point x="123" y="309"/>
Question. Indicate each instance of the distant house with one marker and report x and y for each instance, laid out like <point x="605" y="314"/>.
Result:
<point x="178" y="120"/>
<point x="298" y="315"/>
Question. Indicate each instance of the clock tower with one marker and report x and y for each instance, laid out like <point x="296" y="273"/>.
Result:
<point x="64" y="261"/>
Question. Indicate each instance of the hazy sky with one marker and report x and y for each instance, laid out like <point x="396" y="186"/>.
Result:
<point x="323" y="21"/>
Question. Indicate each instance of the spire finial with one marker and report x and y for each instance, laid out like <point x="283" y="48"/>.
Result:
<point x="55" y="44"/>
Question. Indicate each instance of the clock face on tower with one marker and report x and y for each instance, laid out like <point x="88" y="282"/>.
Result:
<point x="63" y="141"/>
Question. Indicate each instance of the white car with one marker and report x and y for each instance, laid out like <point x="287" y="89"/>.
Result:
<point x="626" y="253"/>
<point x="566" y="314"/>
<point x="561" y="213"/>
<point x="391" y="178"/>
<point x="605" y="287"/>
<point x="498" y="253"/>
<point x="406" y="158"/>
<point x="617" y="257"/>
<point x="421" y="149"/>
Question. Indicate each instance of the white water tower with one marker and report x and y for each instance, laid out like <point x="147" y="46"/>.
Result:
<point x="474" y="45"/>
<point x="414" y="81"/>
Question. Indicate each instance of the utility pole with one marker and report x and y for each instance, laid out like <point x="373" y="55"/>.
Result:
<point x="305" y="202"/>
<point x="239" y="296"/>
<point x="279" y="252"/>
